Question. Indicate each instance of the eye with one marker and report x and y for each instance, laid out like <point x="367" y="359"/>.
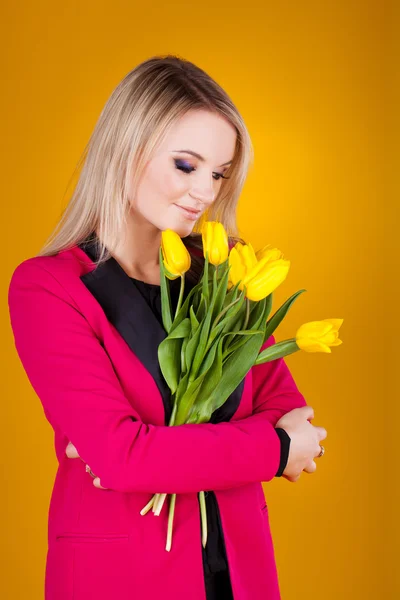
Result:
<point x="182" y="165"/>
<point x="220" y="176"/>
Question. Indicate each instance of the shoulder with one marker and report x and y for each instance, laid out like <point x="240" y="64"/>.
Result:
<point x="50" y="272"/>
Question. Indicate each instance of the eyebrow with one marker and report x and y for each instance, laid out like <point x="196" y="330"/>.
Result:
<point x="201" y="157"/>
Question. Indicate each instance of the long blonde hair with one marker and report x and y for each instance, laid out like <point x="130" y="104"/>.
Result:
<point x="134" y="120"/>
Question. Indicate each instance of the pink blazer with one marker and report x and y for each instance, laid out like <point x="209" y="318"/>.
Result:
<point x="74" y="331"/>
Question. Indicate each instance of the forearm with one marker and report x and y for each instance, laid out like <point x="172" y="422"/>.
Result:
<point x="74" y="378"/>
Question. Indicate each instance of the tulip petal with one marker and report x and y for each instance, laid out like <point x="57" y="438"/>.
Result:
<point x="336" y="323"/>
<point x="215" y="242"/>
<point x="314" y="329"/>
<point x="253" y="270"/>
<point x="248" y="257"/>
<point x="220" y="243"/>
<point x="175" y="253"/>
<point x="271" y="253"/>
<point x="266" y="282"/>
<point x="337" y="342"/>
<point x="309" y="345"/>
<point x="237" y="270"/>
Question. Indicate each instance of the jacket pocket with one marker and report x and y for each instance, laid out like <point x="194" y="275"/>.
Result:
<point x="264" y="508"/>
<point x="97" y="538"/>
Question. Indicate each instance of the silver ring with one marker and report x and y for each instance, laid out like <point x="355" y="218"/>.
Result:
<point x="322" y="452"/>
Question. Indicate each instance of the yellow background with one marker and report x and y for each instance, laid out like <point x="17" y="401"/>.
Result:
<point x="315" y="82"/>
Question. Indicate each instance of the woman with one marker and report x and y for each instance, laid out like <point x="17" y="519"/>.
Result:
<point x="169" y="150"/>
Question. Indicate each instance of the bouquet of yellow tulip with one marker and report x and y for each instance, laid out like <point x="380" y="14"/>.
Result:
<point x="216" y="335"/>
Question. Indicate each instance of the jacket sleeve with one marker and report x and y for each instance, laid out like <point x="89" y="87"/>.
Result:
<point x="73" y="376"/>
<point x="274" y="390"/>
<point x="274" y="394"/>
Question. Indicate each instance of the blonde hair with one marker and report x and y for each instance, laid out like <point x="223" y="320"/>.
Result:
<point x="134" y="120"/>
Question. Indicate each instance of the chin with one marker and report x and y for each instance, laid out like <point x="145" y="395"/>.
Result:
<point x="183" y="229"/>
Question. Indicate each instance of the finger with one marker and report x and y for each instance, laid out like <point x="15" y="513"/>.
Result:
<point x="308" y="411"/>
<point x="71" y="451"/>
<point x="318" y="451"/>
<point x="322" y="433"/>
<point x="311" y="467"/>
<point x="96" y="483"/>
<point x="292" y="479"/>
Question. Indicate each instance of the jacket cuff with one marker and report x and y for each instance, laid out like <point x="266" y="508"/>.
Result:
<point x="285" y="445"/>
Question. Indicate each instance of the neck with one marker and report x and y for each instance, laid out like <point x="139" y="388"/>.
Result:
<point x="138" y="250"/>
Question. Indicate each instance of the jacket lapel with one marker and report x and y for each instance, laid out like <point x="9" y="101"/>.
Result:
<point x="129" y="312"/>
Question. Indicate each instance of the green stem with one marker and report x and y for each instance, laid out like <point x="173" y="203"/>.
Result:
<point x="159" y="503"/>
<point x="180" y="294"/>
<point x="148" y="506"/>
<point x="174" y="411"/>
<point x="247" y="314"/>
<point x="221" y="314"/>
<point x="170" y="522"/>
<point x="203" y="512"/>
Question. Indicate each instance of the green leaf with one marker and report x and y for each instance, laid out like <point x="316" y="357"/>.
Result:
<point x="187" y="400"/>
<point x="202" y="309"/>
<point x="170" y="361"/>
<point x="182" y="386"/>
<point x="227" y="322"/>
<point x="169" y="354"/>
<point x="191" y="348"/>
<point x="239" y="343"/>
<point x="214" y="280"/>
<point x="206" y="292"/>
<point x="208" y="361"/>
<point x="184" y="308"/>
<point x="193" y="320"/>
<point x="277" y="350"/>
<point x="205" y="329"/>
<point x="268" y="305"/>
<point x="220" y="294"/>
<point x="180" y="331"/>
<point x="274" y="321"/>
<point x="236" y="368"/>
<point x="183" y="357"/>
<point x="233" y="314"/>
<point x="202" y="410"/>
<point x="256" y="321"/>
<point x="257" y="315"/>
<point x="232" y="294"/>
<point x="235" y="323"/>
<point x="165" y="296"/>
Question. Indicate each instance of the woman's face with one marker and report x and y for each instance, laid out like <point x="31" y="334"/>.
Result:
<point x="175" y="178"/>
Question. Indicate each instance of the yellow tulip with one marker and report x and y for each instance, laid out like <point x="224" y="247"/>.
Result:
<point x="215" y="242"/>
<point x="260" y="276"/>
<point x="273" y="253"/>
<point x="318" y="336"/>
<point x="239" y="268"/>
<point x="176" y="257"/>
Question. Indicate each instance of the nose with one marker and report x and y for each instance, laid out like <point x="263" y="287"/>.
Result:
<point x="205" y="194"/>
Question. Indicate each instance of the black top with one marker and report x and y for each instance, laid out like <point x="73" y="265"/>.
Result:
<point x="214" y="555"/>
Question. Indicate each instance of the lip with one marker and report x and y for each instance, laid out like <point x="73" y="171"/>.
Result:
<point x="189" y="212"/>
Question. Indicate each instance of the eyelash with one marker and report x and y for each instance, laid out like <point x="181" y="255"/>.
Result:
<point x="182" y="166"/>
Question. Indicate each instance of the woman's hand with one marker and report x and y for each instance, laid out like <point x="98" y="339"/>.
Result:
<point x="305" y="441"/>
<point x="72" y="452"/>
